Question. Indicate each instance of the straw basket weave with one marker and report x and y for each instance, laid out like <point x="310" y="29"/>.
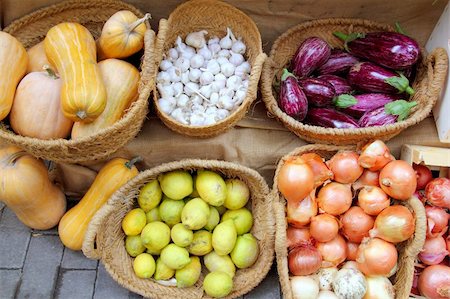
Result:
<point x="214" y="17"/>
<point x="104" y="239"/>
<point x="32" y="29"/>
<point x="430" y="78"/>
<point x="408" y="250"/>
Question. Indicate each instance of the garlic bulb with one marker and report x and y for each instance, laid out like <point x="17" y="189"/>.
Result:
<point x="213" y="40"/>
<point x="226" y="41"/>
<point x="222" y="60"/>
<point x="196" y="39"/>
<point x="197" y="118"/>
<point x="210" y="119"/>
<point x="239" y="96"/>
<point x="185" y="77"/>
<point x="194" y="75"/>
<point x="214" y="99"/>
<point x="173" y="54"/>
<point x="222" y="113"/>
<point x="234" y="82"/>
<point x="177" y="88"/>
<point x="165" y="65"/>
<point x="224" y="53"/>
<point x="167" y="105"/>
<point x="165" y="91"/>
<point x="236" y="59"/>
<point x="225" y="102"/>
<point x="179" y="115"/>
<point x="196" y="61"/>
<point x="174" y="73"/>
<point x="206" y="78"/>
<point x="182" y="101"/>
<point x="182" y="64"/>
<point x="205" y="52"/>
<point x="190" y="88"/>
<point x="238" y="47"/>
<point x="206" y="91"/>
<point x="213" y="67"/>
<point x="214" y="48"/>
<point x="227" y="69"/>
<point x="163" y="78"/>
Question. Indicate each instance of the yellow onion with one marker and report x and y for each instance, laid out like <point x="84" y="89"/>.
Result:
<point x="394" y="224"/>
<point x="299" y="213"/>
<point x="333" y="252"/>
<point x="356" y="224"/>
<point x="324" y="227"/>
<point x="335" y="198"/>
<point x="304" y="259"/>
<point x="376" y="257"/>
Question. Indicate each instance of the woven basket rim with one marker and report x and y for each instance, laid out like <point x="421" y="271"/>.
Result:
<point x="272" y="105"/>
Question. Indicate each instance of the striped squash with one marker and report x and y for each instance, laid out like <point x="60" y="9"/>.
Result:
<point x="119" y="96"/>
<point x="71" y="48"/>
<point x="14" y="61"/>
<point x="111" y="177"/>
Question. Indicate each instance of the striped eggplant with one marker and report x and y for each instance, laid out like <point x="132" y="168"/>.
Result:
<point x="339" y="62"/>
<point x="319" y="92"/>
<point x="387" y="114"/>
<point x="357" y="105"/>
<point x="310" y="55"/>
<point x="389" y="49"/>
<point x="292" y="99"/>
<point x="330" y="118"/>
<point x="369" y="77"/>
<point x="340" y="84"/>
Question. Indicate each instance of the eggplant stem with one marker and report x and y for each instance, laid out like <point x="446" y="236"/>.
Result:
<point x="409" y="90"/>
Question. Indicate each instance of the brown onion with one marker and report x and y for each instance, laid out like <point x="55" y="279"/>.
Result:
<point x="304" y="260"/>
<point x="394" y="224"/>
<point x="295" y="179"/>
<point x="352" y="251"/>
<point x="368" y="178"/>
<point x="335" y="198"/>
<point x="438" y="192"/>
<point x="398" y="179"/>
<point x="324" y="227"/>
<point x="299" y="213"/>
<point x="434" y="251"/>
<point x="437" y="221"/>
<point x="345" y="167"/>
<point x="373" y="200"/>
<point x="297" y="236"/>
<point x="333" y="252"/>
<point x="375" y="156"/>
<point x="318" y="167"/>
<point x="356" y="224"/>
<point x="434" y="282"/>
<point x="376" y="257"/>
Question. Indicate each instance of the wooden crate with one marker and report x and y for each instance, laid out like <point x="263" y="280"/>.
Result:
<point x="436" y="158"/>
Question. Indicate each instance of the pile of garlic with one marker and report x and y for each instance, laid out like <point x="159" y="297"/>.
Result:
<point x="202" y="82"/>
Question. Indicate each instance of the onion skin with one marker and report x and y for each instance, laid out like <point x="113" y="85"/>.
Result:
<point x="368" y="178"/>
<point x="356" y="224"/>
<point x="434" y="251"/>
<point x="304" y="260"/>
<point x="375" y="156"/>
<point x="437" y="221"/>
<point x="379" y="287"/>
<point x="333" y="252"/>
<point x="352" y="251"/>
<point x="318" y="167"/>
<point x="434" y="282"/>
<point x="324" y="227"/>
<point x="345" y="167"/>
<point x="424" y="175"/>
<point x="297" y="236"/>
<point x="299" y="214"/>
<point x="335" y="198"/>
<point x="373" y="200"/>
<point x="398" y="179"/>
<point x="293" y="174"/>
<point x="394" y="224"/>
<point x="376" y="257"/>
<point x="305" y="287"/>
<point x="438" y="192"/>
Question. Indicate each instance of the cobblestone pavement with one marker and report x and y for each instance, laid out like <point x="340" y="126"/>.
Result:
<point x="34" y="264"/>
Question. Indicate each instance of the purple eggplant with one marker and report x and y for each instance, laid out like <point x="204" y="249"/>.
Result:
<point x="367" y="76"/>
<point x="387" y="114"/>
<point x="339" y="62"/>
<point x="389" y="49"/>
<point x="330" y="118"/>
<point x="357" y="105"/>
<point x="319" y="92"/>
<point x="340" y="84"/>
<point x="311" y="54"/>
<point x="292" y="99"/>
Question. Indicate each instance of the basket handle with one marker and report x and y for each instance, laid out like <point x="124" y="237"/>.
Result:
<point x="90" y="248"/>
<point x="437" y="63"/>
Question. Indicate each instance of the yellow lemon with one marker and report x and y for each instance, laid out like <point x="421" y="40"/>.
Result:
<point x="181" y="236"/>
<point x="243" y="219"/>
<point x="223" y="263"/>
<point x="134" y="246"/>
<point x="201" y="244"/>
<point x="150" y="195"/>
<point x="170" y="211"/>
<point x="176" y="184"/>
<point x="175" y="257"/>
<point x="245" y="252"/>
<point x="133" y="222"/>
<point x="189" y="274"/>
<point x="224" y="237"/>
<point x="153" y="215"/>
<point x="155" y="235"/>
<point x="214" y="218"/>
<point x="163" y="272"/>
<point x="211" y="187"/>
<point x="144" y="265"/>
<point x="238" y="194"/>
<point x="195" y="214"/>
<point x="217" y="284"/>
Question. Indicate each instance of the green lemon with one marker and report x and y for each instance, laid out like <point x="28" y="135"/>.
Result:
<point x="170" y="211"/>
<point x="238" y="194"/>
<point x="189" y="274"/>
<point x="195" y="214"/>
<point x="245" y="252"/>
<point x="150" y="195"/>
<point x="224" y="237"/>
<point x="214" y="218"/>
<point x="181" y="236"/>
<point x="163" y="272"/>
<point x="133" y="222"/>
<point x="201" y="244"/>
<point x="217" y="284"/>
<point x="153" y="215"/>
<point x="243" y="219"/>
<point x="134" y="246"/>
<point x="176" y="184"/>
<point x="155" y="235"/>
<point x="144" y="265"/>
<point x="211" y="187"/>
<point x="175" y="257"/>
<point x="223" y="263"/>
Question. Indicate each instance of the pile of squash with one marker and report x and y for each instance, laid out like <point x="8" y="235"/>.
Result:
<point x="67" y="85"/>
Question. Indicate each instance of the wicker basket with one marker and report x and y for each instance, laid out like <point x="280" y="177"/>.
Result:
<point x="31" y="29"/>
<point x="104" y="239"/>
<point x="213" y="16"/>
<point x="430" y="78"/>
<point x="408" y="250"/>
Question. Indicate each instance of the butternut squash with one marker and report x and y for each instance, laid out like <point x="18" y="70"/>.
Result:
<point x="121" y="82"/>
<point x="110" y="178"/>
<point x="36" y="110"/>
<point x="122" y="35"/>
<point x="14" y="61"/>
<point x="71" y="48"/>
<point x="37" y="58"/>
<point x="27" y="190"/>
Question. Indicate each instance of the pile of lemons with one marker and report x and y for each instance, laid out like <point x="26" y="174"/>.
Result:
<point x="184" y="216"/>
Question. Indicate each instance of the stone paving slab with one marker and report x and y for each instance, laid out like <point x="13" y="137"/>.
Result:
<point x="76" y="260"/>
<point x="76" y="284"/>
<point x="14" y="238"/>
<point x="106" y="287"/>
<point x="9" y="282"/>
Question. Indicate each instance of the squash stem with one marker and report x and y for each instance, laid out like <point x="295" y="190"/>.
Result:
<point x="133" y="161"/>
<point x="81" y="114"/>
<point x="50" y="72"/>
<point x="138" y="22"/>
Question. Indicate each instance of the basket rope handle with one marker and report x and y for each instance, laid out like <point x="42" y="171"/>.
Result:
<point x="437" y="62"/>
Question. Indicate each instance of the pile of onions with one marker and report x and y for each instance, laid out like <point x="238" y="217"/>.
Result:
<point x="394" y="224"/>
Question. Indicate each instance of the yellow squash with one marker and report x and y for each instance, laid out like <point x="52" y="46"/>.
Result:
<point x="122" y="35"/>
<point x="13" y="61"/>
<point x="26" y="189"/>
<point x="71" y="48"/>
<point x="121" y="82"/>
<point x="37" y="58"/>
<point x="111" y="177"/>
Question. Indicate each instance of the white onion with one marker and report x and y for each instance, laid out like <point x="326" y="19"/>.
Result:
<point x="327" y="295"/>
<point x="379" y="287"/>
<point x="304" y="287"/>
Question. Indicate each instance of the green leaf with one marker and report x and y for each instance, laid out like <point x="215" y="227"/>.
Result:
<point x="399" y="29"/>
<point x="345" y="101"/>
<point x="401" y="108"/>
<point x="348" y="38"/>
